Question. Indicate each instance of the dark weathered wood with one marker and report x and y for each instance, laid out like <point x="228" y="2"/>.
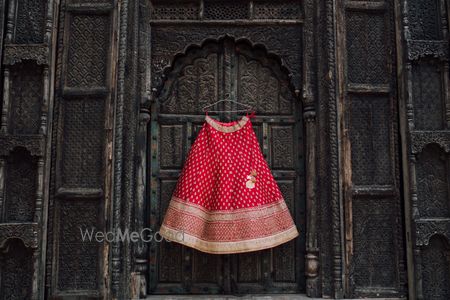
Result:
<point x="81" y="152"/>
<point x="74" y="72"/>
<point x="368" y="128"/>
<point x="343" y="211"/>
<point x="425" y="137"/>
<point x="220" y="67"/>
<point x="27" y="95"/>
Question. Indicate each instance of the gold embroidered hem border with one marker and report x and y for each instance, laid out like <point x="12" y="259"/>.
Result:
<point x="229" y="128"/>
<point x="240" y="230"/>
<point x="230" y="215"/>
<point x="230" y="247"/>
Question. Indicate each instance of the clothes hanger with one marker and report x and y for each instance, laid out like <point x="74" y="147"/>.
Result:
<point x="227" y="99"/>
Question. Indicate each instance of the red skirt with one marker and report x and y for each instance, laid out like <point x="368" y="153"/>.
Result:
<point x="226" y="199"/>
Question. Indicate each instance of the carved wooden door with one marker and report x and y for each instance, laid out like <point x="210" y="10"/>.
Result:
<point x="199" y="77"/>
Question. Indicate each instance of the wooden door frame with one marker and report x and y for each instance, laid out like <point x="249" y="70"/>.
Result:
<point x="320" y="136"/>
<point x="229" y="43"/>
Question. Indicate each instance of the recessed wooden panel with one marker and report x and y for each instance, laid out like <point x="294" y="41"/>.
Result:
<point x="433" y="182"/>
<point x="26" y="95"/>
<point x="30" y="20"/>
<point x="206" y="268"/>
<point x="170" y="262"/>
<point x="370" y="136"/>
<point x="171" y="146"/>
<point x="367" y="47"/>
<point x="374" y="247"/>
<point x="78" y="263"/>
<point x="21" y="187"/>
<point x="424" y="19"/>
<point x="87" y="54"/>
<point x="83" y="143"/>
<point x="427" y="96"/>
<point x="282" y="147"/>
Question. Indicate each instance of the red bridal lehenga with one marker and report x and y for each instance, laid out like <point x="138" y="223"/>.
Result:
<point x="226" y="199"/>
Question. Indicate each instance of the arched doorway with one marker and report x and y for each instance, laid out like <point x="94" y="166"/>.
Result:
<point x="203" y="75"/>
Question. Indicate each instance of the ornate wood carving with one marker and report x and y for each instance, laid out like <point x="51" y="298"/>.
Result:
<point x="423" y="17"/>
<point x="427" y="96"/>
<point x="168" y="41"/>
<point x="30" y="22"/>
<point x="420" y="139"/>
<point x="27" y="95"/>
<point x="425" y="31"/>
<point x="88" y="51"/>
<point x="27" y="233"/>
<point x="328" y="164"/>
<point x="284" y="9"/>
<point x="302" y="46"/>
<point x="15" y="53"/>
<point x="80" y="189"/>
<point x="200" y="76"/>
<point x="26" y="101"/>
<point x="426" y="229"/>
<point x="421" y="49"/>
<point x="33" y="143"/>
<point x="225" y="10"/>
<point x="81" y="271"/>
<point x="432" y="169"/>
<point x="370" y="175"/>
<point x="83" y="144"/>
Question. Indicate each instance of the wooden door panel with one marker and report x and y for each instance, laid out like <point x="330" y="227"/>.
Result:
<point x="374" y="256"/>
<point x="197" y="78"/>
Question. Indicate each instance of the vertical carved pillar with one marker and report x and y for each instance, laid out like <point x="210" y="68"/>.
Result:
<point x="116" y="250"/>
<point x="418" y="273"/>
<point x="446" y="74"/>
<point x="447" y="93"/>
<point x="309" y="116"/>
<point x="415" y="209"/>
<point x="10" y="21"/>
<point x="140" y="249"/>
<point x="5" y="107"/>
<point x="45" y="100"/>
<point x="334" y="71"/>
<point x="409" y="100"/>
<point x="39" y="191"/>
<point x="312" y="249"/>
<point x="2" y="187"/>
